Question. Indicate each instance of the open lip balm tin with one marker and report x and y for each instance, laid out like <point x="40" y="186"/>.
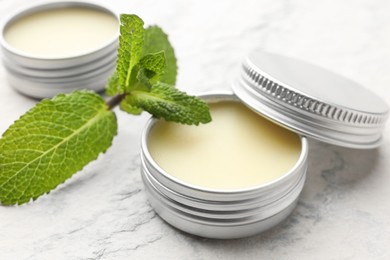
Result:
<point x="301" y="97"/>
<point x="38" y="74"/>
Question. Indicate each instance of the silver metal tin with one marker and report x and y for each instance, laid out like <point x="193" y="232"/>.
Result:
<point x="72" y="71"/>
<point x="41" y="89"/>
<point x="44" y="77"/>
<point x="215" y="213"/>
<point x="312" y="101"/>
<point x="28" y="60"/>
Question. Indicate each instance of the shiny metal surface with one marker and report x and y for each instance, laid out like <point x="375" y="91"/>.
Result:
<point x="32" y="61"/>
<point x="47" y="90"/>
<point x="65" y="63"/>
<point x="221" y="213"/>
<point x="311" y="100"/>
<point x="218" y="229"/>
<point x="61" y="81"/>
<point x="61" y="72"/>
<point x="44" y="77"/>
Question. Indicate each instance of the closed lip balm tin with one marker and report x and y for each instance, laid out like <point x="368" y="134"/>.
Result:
<point x="299" y="96"/>
<point x="37" y="75"/>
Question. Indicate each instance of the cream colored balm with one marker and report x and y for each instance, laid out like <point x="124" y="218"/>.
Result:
<point x="238" y="149"/>
<point x="62" y="32"/>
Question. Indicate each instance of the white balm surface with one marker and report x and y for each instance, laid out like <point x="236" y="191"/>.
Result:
<point x="238" y="149"/>
<point x="61" y="32"/>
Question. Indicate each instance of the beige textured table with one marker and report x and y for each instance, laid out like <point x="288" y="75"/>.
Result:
<point x="344" y="210"/>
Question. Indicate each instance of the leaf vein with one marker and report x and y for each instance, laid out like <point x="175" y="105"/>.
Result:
<point x="85" y="126"/>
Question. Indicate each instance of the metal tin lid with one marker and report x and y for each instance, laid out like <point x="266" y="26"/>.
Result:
<point x="312" y="101"/>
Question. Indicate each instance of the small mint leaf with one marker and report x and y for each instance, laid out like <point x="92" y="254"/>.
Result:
<point x="51" y="142"/>
<point x="148" y="70"/>
<point x="165" y="101"/>
<point x="155" y="41"/>
<point x="155" y="63"/>
<point x="112" y="86"/>
<point x="127" y="107"/>
<point x="143" y="79"/>
<point x="131" y="42"/>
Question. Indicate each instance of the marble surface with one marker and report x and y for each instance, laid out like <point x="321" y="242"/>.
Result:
<point x="344" y="210"/>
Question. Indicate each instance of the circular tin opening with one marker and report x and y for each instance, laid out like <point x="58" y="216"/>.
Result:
<point x="53" y="25"/>
<point x="168" y="179"/>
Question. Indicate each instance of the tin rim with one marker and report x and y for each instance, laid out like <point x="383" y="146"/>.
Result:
<point x="223" y="205"/>
<point x="48" y="5"/>
<point x="218" y="229"/>
<point x="233" y="215"/>
<point x="59" y="71"/>
<point x="36" y="84"/>
<point x="97" y="84"/>
<point x="50" y="82"/>
<point x="211" y="207"/>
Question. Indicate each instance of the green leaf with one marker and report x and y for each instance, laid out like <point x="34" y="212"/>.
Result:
<point x="149" y="69"/>
<point x="51" y="142"/>
<point x="143" y="79"/>
<point x="154" y="62"/>
<point x="155" y="41"/>
<point x="165" y="101"/>
<point x="133" y="110"/>
<point x="131" y="41"/>
<point x="145" y="75"/>
<point x="112" y="86"/>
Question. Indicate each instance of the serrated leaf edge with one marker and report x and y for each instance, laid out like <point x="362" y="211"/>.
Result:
<point x="79" y="130"/>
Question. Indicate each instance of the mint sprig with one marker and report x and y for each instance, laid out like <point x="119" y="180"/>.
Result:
<point x="59" y="136"/>
<point x="156" y="40"/>
<point x="166" y="102"/>
<point x="145" y="74"/>
<point x="51" y="142"/>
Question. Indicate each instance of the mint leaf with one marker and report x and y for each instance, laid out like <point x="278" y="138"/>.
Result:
<point x="145" y="75"/>
<point x="51" y="142"/>
<point x="155" y="41"/>
<point x="133" y="110"/>
<point x="164" y="101"/>
<point x="129" y="53"/>
<point x="143" y="78"/>
<point x="112" y="86"/>
<point x="149" y="69"/>
<point x="154" y="63"/>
